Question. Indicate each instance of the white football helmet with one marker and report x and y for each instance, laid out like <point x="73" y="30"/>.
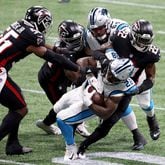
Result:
<point x="98" y="19"/>
<point x="119" y="70"/>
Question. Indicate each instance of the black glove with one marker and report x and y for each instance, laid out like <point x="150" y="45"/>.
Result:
<point x="98" y="55"/>
<point x="64" y="51"/>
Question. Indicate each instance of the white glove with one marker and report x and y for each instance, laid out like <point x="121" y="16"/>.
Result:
<point x="87" y="95"/>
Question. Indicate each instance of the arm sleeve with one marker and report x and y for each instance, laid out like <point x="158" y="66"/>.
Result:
<point x="61" y="60"/>
<point x="147" y="84"/>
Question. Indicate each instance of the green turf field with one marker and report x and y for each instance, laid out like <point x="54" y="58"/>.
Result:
<point x="25" y="74"/>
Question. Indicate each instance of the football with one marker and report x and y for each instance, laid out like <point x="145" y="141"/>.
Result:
<point x="98" y="99"/>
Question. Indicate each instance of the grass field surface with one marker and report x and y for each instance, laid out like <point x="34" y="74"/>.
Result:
<point x="25" y="74"/>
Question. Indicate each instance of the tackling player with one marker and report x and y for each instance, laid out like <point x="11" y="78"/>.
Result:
<point x="136" y="45"/>
<point x="19" y="40"/>
<point x="54" y="79"/>
<point x="100" y="29"/>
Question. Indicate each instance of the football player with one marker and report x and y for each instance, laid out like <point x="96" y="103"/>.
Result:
<point x="54" y="80"/>
<point x="100" y="29"/>
<point x="139" y="48"/>
<point x="136" y="45"/>
<point x="19" y="40"/>
<point x="78" y="105"/>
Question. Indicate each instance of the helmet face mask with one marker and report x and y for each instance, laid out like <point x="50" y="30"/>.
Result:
<point x="141" y="35"/>
<point x="39" y="17"/>
<point x="71" y="34"/>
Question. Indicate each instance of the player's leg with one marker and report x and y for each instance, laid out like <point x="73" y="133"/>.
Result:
<point x="12" y="98"/>
<point x="147" y="105"/>
<point x="129" y="119"/>
<point x="66" y="119"/>
<point x="47" y="79"/>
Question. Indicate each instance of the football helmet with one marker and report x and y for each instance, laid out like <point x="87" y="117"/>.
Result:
<point x="141" y="35"/>
<point x="98" y="19"/>
<point x="118" y="70"/>
<point x="40" y="17"/>
<point x="72" y="34"/>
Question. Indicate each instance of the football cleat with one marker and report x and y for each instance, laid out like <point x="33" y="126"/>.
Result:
<point x="154" y="127"/>
<point x="16" y="149"/>
<point x="51" y="130"/>
<point x="70" y="153"/>
<point x="81" y="151"/>
<point x="81" y="130"/>
<point x="139" y="142"/>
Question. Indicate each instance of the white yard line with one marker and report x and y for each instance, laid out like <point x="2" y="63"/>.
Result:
<point x="134" y="4"/>
<point x="133" y="156"/>
<point x="13" y="162"/>
<point x="41" y="92"/>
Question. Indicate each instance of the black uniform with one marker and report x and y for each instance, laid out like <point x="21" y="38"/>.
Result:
<point x="13" y="44"/>
<point x="52" y="78"/>
<point x="122" y="45"/>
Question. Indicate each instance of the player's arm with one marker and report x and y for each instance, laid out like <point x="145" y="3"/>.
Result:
<point x="148" y="83"/>
<point x="53" y="57"/>
<point x="104" y="112"/>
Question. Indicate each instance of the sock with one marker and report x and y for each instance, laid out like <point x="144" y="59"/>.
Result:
<point x="67" y="131"/>
<point x="10" y="124"/>
<point x="136" y="132"/>
<point x="50" y="118"/>
<point x="130" y="119"/>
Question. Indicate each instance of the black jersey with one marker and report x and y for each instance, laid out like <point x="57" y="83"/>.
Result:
<point x="14" y="41"/>
<point x="122" y="45"/>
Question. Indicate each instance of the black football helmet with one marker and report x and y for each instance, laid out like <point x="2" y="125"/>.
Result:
<point x="141" y="35"/>
<point x="40" y="17"/>
<point x="71" y="33"/>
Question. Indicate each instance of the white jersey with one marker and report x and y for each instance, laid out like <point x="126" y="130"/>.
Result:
<point x="115" y="24"/>
<point x="71" y="109"/>
<point x="115" y="90"/>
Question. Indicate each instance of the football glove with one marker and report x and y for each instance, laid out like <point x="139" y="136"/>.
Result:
<point x="133" y="91"/>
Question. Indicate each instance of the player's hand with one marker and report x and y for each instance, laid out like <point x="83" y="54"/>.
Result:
<point x="133" y="91"/>
<point x="64" y="51"/>
<point x="87" y="95"/>
<point x="97" y="54"/>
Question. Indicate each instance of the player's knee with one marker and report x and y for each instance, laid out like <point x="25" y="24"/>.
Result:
<point x="127" y="111"/>
<point x="23" y="111"/>
<point x="148" y="106"/>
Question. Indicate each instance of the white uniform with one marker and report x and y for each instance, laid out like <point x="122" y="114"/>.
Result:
<point x="115" y="24"/>
<point x="71" y="109"/>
